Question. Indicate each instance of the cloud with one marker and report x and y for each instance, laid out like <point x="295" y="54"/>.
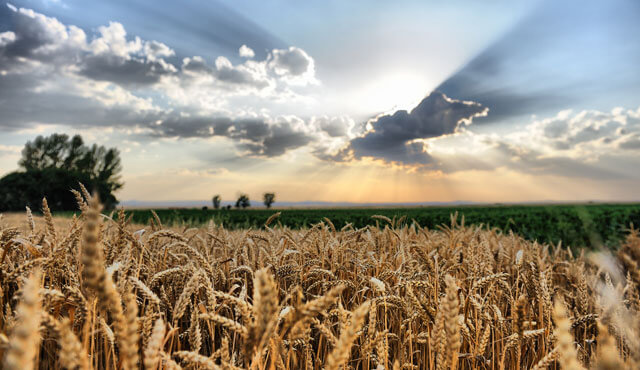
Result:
<point x="7" y="38"/>
<point x="111" y="57"/>
<point x="588" y="144"/>
<point x="116" y="59"/>
<point x="256" y="136"/>
<point x="131" y="62"/>
<point x="124" y="72"/>
<point x="280" y="137"/>
<point x="223" y="74"/>
<point x="631" y="142"/>
<point x="335" y="127"/>
<point x="242" y="75"/>
<point x="293" y="64"/>
<point x="588" y="133"/>
<point x="38" y="38"/>
<point x="155" y="50"/>
<point x="531" y="161"/>
<point x="398" y="137"/>
<point x="246" y="52"/>
<point x="54" y="74"/>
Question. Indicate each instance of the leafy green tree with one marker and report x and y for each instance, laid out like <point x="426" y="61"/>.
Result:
<point x="216" y="200"/>
<point x="96" y="167"/>
<point x="269" y="199"/>
<point x="243" y="201"/>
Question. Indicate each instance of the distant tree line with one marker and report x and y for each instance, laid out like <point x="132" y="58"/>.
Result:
<point x="243" y="201"/>
<point x="51" y="166"/>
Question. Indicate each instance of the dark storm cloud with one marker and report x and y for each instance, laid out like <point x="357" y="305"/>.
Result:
<point x="563" y="54"/>
<point x="392" y="136"/>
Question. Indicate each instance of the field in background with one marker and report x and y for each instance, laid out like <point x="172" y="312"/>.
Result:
<point x="574" y="225"/>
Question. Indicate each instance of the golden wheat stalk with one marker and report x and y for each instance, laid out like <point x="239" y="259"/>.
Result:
<point x="154" y="347"/>
<point x="25" y="339"/>
<point x="340" y="354"/>
<point x="568" y="356"/>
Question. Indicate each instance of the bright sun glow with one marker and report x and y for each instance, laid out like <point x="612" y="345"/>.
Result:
<point x="392" y="92"/>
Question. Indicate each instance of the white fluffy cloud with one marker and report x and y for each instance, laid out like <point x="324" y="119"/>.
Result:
<point x="585" y="144"/>
<point x="335" y="127"/>
<point x="52" y="73"/>
<point x="587" y="132"/>
<point x="246" y="52"/>
<point x="294" y="65"/>
<point x="7" y="38"/>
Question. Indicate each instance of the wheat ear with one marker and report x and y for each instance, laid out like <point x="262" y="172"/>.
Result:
<point x="451" y="322"/>
<point x="72" y="356"/>
<point x="130" y="342"/>
<point x="25" y="339"/>
<point x="265" y="310"/>
<point x="568" y="355"/>
<point x="340" y="354"/>
<point x="152" y="352"/>
<point x="607" y="358"/>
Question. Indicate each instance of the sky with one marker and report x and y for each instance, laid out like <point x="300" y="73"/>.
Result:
<point x="345" y="101"/>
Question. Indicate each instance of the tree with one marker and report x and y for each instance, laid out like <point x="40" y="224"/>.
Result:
<point x="96" y="167"/>
<point x="216" y="200"/>
<point x="269" y="199"/>
<point x="20" y="189"/>
<point x="243" y="201"/>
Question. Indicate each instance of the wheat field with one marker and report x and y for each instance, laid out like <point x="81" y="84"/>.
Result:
<point x="98" y="293"/>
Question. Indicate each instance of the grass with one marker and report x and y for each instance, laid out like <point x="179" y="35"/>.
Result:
<point x="99" y="293"/>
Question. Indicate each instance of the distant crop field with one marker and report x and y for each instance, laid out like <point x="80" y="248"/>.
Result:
<point x="575" y="225"/>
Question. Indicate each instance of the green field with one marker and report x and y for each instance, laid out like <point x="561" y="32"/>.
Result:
<point x="575" y="225"/>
